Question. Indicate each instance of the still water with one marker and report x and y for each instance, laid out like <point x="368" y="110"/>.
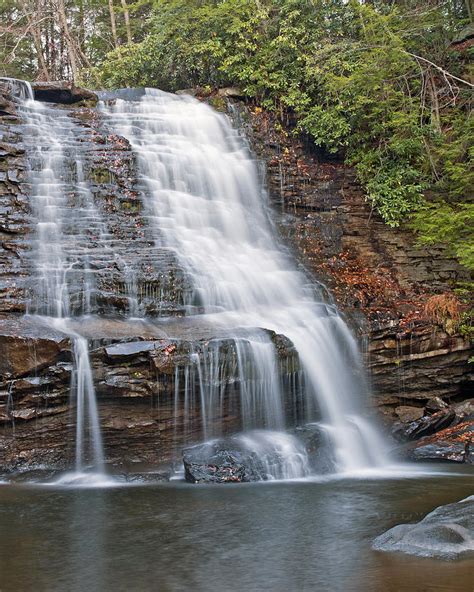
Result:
<point x="279" y="537"/>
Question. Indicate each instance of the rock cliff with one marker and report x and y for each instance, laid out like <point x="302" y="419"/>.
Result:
<point x="377" y="275"/>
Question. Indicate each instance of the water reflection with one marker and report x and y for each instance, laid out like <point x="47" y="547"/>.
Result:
<point x="280" y="537"/>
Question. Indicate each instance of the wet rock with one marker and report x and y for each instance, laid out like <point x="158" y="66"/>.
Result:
<point x="7" y="149"/>
<point x="13" y="175"/>
<point x="129" y="350"/>
<point x="445" y="533"/>
<point x="258" y="455"/>
<point x="409" y="414"/>
<point x="140" y="370"/>
<point x="419" y="366"/>
<point x="7" y="107"/>
<point x="27" y="346"/>
<point x="30" y="413"/>
<point x="425" y="426"/>
<point x="455" y="444"/>
<point x="464" y="410"/>
<point x="124" y="382"/>
<point x="435" y="404"/>
<point x="318" y="447"/>
<point x="219" y="462"/>
<point x="63" y="92"/>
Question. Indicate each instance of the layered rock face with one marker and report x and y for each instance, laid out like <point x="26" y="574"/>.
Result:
<point x="149" y="376"/>
<point x="148" y="379"/>
<point x="36" y="360"/>
<point x="36" y="367"/>
<point x="157" y="284"/>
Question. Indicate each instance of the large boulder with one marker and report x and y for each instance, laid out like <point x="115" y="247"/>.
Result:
<point x="64" y="92"/>
<point x="445" y="533"/>
<point x="464" y="38"/>
<point x="219" y="462"/>
<point x="260" y="455"/>
<point x="231" y="92"/>
<point x="407" y="414"/>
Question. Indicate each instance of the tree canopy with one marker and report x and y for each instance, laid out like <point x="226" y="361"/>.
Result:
<point x="384" y="84"/>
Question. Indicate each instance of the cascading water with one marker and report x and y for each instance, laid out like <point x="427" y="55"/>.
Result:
<point x="204" y="203"/>
<point x="205" y="198"/>
<point x="20" y="89"/>
<point x="63" y="280"/>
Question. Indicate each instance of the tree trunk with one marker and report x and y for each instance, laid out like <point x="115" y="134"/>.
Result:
<point x="74" y="59"/>
<point x="77" y="58"/>
<point x="113" y="24"/>
<point x="435" y="117"/>
<point x="470" y="9"/>
<point x="35" y="33"/>
<point x="127" y="20"/>
<point x="53" y="46"/>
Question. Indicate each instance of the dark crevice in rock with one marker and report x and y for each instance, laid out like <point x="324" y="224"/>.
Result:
<point x="66" y="93"/>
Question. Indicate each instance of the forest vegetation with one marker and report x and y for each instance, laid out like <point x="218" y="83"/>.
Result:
<point x="384" y="84"/>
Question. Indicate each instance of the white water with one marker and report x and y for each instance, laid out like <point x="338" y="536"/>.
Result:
<point x="21" y="89"/>
<point x="72" y="239"/>
<point x="62" y="279"/>
<point x="206" y="200"/>
<point x="282" y="456"/>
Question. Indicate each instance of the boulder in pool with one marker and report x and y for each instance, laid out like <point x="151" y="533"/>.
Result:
<point x="425" y="425"/>
<point x="259" y="455"/>
<point x="318" y="446"/>
<point x="446" y="533"/>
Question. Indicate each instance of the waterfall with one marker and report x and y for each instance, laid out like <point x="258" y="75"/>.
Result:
<point x="86" y="399"/>
<point x="20" y="89"/>
<point x="62" y="281"/>
<point x="205" y="205"/>
<point x="205" y="198"/>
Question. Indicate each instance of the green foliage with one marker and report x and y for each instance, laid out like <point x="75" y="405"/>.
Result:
<point x="448" y="218"/>
<point x="465" y="292"/>
<point x="354" y="76"/>
<point x="449" y="224"/>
